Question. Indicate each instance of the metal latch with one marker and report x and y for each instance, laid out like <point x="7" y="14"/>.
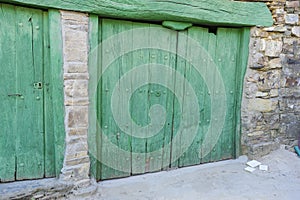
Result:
<point x="38" y="85"/>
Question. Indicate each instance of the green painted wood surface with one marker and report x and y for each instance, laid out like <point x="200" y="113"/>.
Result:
<point x="139" y="163"/>
<point x="216" y="12"/>
<point x="241" y="71"/>
<point x="56" y="87"/>
<point x="192" y="156"/>
<point x="109" y="126"/>
<point x="226" y="49"/>
<point x="50" y="170"/>
<point x="27" y="145"/>
<point x="161" y="95"/>
<point x="29" y="64"/>
<point x="93" y="137"/>
<point x="8" y="104"/>
<point x="177" y="26"/>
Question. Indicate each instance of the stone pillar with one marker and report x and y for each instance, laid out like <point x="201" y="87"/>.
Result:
<point x="75" y="49"/>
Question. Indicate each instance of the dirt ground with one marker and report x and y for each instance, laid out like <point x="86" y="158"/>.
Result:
<point x="220" y="181"/>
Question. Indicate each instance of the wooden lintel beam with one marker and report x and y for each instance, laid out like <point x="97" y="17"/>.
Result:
<point x="206" y="12"/>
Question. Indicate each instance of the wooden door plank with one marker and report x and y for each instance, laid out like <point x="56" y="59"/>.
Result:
<point x="242" y="61"/>
<point x="8" y="86"/>
<point x="30" y="139"/>
<point x="110" y="78"/>
<point x="226" y="39"/>
<point x="205" y="102"/>
<point x="169" y="101"/>
<point x="139" y="104"/>
<point x="56" y="87"/>
<point x="211" y="43"/>
<point x="94" y="137"/>
<point x="161" y="90"/>
<point x="179" y="108"/>
<point x="196" y="35"/>
<point x="50" y="170"/>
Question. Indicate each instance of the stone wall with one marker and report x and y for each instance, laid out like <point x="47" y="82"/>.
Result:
<point x="75" y="49"/>
<point x="271" y="101"/>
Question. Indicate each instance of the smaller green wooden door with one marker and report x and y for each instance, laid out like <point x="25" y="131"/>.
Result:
<point x="27" y="148"/>
<point x="164" y="99"/>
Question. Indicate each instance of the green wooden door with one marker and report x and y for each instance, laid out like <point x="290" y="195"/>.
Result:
<point x="26" y="151"/>
<point x="164" y="99"/>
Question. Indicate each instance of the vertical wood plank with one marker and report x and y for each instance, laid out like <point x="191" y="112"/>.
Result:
<point x="139" y="104"/>
<point x="30" y="139"/>
<point x="161" y="95"/>
<point x="8" y="86"/>
<point x="56" y="65"/>
<point x="211" y="44"/>
<point x="193" y="154"/>
<point x="110" y="78"/>
<point x="241" y="71"/>
<point x="204" y="97"/>
<point x="226" y="60"/>
<point x="93" y="135"/>
<point x="50" y="170"/>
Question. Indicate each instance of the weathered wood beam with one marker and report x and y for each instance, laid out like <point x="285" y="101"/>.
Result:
<point x="207" y="12"/>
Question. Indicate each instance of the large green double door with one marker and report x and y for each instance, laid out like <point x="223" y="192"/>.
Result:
<point x="27" y="148"/>
<point x="164" y="99"/>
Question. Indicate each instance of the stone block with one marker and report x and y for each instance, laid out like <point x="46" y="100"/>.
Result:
<point x="77" y="131"/>
<point x="280" y="29"/>
<point x="259" y="150"/>
<point x="258" y="61"/>
<point x="273" y="48"/>
<point x="256" y="134"/>
<point x="289" y="41"/>
<point x="292" y="4"/>
<point x="274" y="93"/>
<point x="296" y="31"/>
<point x="291" y="18"/>
<point x="274" y="64"/>
<point x="75" y="173"/>
<point x="77" y="117"/>
<point x="76" y="76"/>
<point x="73" y="140"/>
<point x="75" y="38"/>
<point x="76" y="155"/>
<point x="77" y="101"/>
<point x="269" y="80"/>
<point x="79" y="161"/>
<point x="76" y="88"/>
<point x="279" y="11"/>
<point x="77" y="54"/>
<point x="259" y="32"/>
<point x="75" y="67"/>
<point x="262" y="94"/>
<point x="74" y="16"/>
<point x="262" y="105"/>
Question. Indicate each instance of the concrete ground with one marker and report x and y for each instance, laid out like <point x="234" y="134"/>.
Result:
<point x="220" y="181"/>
